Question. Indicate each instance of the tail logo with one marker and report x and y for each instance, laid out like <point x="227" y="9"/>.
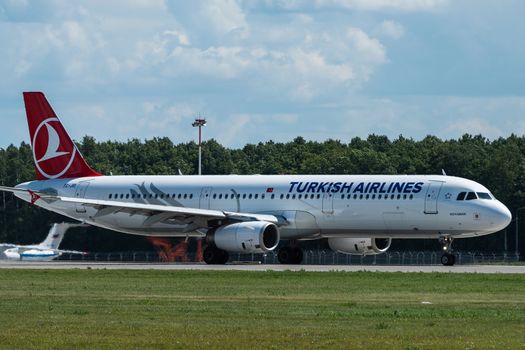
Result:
<point x="53" y="163"/>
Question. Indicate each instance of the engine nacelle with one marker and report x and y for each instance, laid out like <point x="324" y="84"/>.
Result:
<point x="246" y="237"/>
<point x="360" y="246"/>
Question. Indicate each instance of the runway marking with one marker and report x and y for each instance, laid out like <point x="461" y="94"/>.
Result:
<point x="503" y="269"/>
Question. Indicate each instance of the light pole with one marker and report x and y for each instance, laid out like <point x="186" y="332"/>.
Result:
<point x="517" y="230"/>
<point x="199" y="123"/>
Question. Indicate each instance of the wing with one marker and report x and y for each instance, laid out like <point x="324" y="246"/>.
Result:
<point x="193" y="218"/>
<point x="8" y="245"/>
<point x="71" y="252"/>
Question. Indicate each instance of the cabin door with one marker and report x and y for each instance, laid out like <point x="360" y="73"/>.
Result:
<point x="80" y="193"/>
<point x="432" y="196"/>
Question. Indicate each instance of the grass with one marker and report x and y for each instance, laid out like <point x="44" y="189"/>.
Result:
<point x="108" y="309"/>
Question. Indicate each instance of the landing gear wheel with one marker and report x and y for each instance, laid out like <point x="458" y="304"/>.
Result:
<point x="448" y="259"/>
<point x="290" y="255"/>
<point x="297" y="255"/>
<point x="215" y="256"/>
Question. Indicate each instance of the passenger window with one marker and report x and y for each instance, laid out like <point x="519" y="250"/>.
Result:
<point x="272" y="196"/>
<point x="461" y="196"/>
<point x="121" y="196"/>
<point x="214" y="195"/>
<point x="411" y="196"/>
<point x="379" y="197"/>
<point x="471" y="196"/>
<point x="367" y="196"/>
<point x="127" y="195"/>
<point x="262" y="196"/>
<point x="185" y="195"/>
<point x="282" y="196"/>
<point x="256" y="196"/>
<point x="484" y="195"/>
<point x="244" y="196"/>
<point x="318" y="196"/>
<point x="250" y="196"/>
<point x="220" y="196"/>
<point x="360" y="196"/>
<point x="180" y="195"/>
<point x="110" y="195"/>
<point x="191" y="196"/>
<point x="293" y="196"/>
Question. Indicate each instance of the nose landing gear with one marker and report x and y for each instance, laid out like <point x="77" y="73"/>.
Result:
<point x="448" y="258"/>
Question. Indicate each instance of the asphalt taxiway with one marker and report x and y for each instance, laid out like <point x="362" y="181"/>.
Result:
<point x="503" y="269"/>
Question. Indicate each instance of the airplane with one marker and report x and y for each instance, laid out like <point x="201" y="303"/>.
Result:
<point x="45" y="251"/>
<point x="358" y="214"/>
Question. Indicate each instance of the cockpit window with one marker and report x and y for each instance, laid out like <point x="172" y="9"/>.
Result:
<point x="461" y="196"/>
<point x="471" y="196"/>
<point x="484" y="195"/>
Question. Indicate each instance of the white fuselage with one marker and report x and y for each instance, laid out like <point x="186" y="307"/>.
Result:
<point x="31" y="254"/>
<point x="309" y="206"/>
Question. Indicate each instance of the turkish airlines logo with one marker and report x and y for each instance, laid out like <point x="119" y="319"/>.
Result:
<point x="53" y="153"/>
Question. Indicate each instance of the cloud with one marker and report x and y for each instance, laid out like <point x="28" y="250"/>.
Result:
<point x="268" y="69"/>
<point x="391" y="29"/>
<point x="210" y="20"/>
<point x="362" y="5"/>
<point x="473" y="126"/>
<point x="376" y="5"/>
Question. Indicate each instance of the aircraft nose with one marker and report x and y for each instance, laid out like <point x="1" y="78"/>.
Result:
<point x="501" y="216"/>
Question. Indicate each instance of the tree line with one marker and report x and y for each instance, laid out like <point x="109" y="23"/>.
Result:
<point x="498" y="164"/>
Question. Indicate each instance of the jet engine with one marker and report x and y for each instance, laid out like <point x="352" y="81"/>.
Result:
<point x="246" y="237"/>
<point x="360" y="246"/>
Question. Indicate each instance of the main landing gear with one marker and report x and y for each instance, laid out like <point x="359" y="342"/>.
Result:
<point x="448" y="258"/>
<point x="291" y="254"/>
<point x="215" y="256"/>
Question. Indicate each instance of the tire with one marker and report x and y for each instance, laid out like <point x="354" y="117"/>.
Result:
<point x="448" y="259"/>
<point x="297" y="255"/>
<point x="209" y="255"/>
<point x="284" y="255"/>
<point x="289" y="255"/>
<point x="215" y="256"/>
<point x="223" y="257"/>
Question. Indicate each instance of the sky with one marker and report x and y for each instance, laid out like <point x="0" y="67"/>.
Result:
<point x="265" y="70"/>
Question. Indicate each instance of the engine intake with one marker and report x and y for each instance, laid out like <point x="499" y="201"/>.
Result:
<point x="246" y="237"/>
<point x="360" y="246"/>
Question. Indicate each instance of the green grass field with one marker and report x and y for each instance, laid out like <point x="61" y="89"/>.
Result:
<point x="107" y="309"/>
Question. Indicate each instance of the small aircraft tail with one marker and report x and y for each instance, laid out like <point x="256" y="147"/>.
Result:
<point x="56" y="234"/>
<point x="54" y="153"/>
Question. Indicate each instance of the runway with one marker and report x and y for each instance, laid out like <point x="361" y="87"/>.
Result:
<point x="503" y="269"/>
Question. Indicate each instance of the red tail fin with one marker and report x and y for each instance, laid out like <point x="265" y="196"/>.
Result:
<point x="55" y="155"/>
